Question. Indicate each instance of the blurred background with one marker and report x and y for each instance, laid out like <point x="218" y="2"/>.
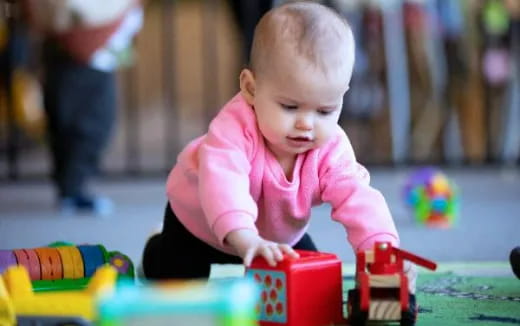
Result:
<point x="436" y="83"/>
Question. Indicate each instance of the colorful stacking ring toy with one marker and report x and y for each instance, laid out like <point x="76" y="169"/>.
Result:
<point x="61" y="261"/>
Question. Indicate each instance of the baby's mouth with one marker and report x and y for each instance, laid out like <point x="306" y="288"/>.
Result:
<point x="302" y="139"/>
<point x="299" y="141"/>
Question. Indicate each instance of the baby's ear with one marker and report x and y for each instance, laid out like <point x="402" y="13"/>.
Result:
<point x="247" y="85"/>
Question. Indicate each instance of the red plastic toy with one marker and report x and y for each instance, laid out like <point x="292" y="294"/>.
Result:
<point x="300" y="292"/>
<point x="382" y="286"/>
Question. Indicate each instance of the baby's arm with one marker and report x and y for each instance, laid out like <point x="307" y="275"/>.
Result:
<point x="362" y="210"/>
<point x="224" y="166"/>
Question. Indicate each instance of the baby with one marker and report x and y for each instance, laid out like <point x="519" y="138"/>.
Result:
<point x="275" y="150"/>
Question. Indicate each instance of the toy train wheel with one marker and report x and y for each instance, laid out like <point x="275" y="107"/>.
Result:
<point x="409" y="316"/>
<point x="355" y="315"/>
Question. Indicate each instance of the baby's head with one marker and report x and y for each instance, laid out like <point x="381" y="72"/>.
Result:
<point x="300" y="67"/>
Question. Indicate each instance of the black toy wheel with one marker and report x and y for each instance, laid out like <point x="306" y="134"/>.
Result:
<point x="356" y="317"/>
<point x="409" y="316"/>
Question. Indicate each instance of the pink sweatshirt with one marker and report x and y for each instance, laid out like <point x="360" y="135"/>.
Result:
<point x="228" y="180"/>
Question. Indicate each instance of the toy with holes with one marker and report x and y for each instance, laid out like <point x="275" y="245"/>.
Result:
<point x="381" y="293"/>
<point x="64" y="266"/>
<point x="229" y="302"/>
<point x="306" y="291"/>
<point x="21" y="305"/>
<point x="432" y="197"/>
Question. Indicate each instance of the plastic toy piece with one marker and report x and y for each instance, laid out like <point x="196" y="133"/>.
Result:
<point x="7" y="315"/>
<point x="7" y="258"/>
<point x="50" y="263"/>
<point x="71" y="254"/>
<point x="92" y="258"/>
<point x="66" y="262"/>
<point x="29" y="259"/>
<point x="121" y="263"/>
<point x="432" y="197"/>
<point x="60" y="285"/>
<point x="382" y="286"/>
<point x="79" y="267"/>
<point x="61" y="261"/>
<point x="220" y="303"/>
<point x="300" y="292"/>
<point x="80" y="304"/>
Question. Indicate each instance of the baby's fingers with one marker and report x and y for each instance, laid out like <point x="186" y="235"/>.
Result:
<point x="288" y="250"/>
<point x="272" y="253"/>
<point x="277" y="252"/>
<point x="264" y="251"/>
<point x="269" y="253"/>
<point x="248" y="257"/>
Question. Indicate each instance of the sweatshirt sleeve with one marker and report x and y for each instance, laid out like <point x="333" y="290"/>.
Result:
<point x="224" y="166"/>
<point x="345" y="184"/>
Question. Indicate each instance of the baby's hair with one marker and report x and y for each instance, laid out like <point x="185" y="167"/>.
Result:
<point x="312" y="30"/>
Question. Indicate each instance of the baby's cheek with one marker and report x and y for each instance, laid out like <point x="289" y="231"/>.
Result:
<point x="324" y="135"/>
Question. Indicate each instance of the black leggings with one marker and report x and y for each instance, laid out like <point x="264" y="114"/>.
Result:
<point x="177" y="254"/>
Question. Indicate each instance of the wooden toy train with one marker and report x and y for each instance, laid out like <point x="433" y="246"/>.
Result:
<point x="381" y="292"/>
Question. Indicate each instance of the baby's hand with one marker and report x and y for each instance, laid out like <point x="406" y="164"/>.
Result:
<point x="411" y="272"/>
<point x="271" y="251"/>
<point x="248" y="245"/>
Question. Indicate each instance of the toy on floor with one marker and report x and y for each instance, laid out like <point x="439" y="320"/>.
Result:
<point x="306" y="291"/>
<point x="19" y="302"/>
<point x="7" y="315"/>
<point x="228" y="302"/>
<point x="64" y="266"/>
<point x="432" y="197"/>
<point x="381" y="292"/>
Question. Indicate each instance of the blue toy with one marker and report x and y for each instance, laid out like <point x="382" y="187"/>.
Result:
<point x="230" y="302"/>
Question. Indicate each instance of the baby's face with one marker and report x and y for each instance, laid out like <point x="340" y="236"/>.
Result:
<point x="298" y="105"/>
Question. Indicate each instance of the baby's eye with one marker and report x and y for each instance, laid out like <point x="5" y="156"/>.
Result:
<point x="325" y="112"/>
<point x="289" y="107"/>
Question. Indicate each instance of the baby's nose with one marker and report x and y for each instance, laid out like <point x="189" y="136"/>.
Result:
<point x="304" y="122"/>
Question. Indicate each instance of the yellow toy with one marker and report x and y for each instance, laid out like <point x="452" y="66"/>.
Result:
<point x="17" y="295"/>
<point x="7" y="316"/>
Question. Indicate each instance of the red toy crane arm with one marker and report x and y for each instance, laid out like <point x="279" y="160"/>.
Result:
<point x="415" y="259"/>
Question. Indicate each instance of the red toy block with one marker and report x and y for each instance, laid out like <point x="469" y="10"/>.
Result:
<point x="306" y="291"/>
